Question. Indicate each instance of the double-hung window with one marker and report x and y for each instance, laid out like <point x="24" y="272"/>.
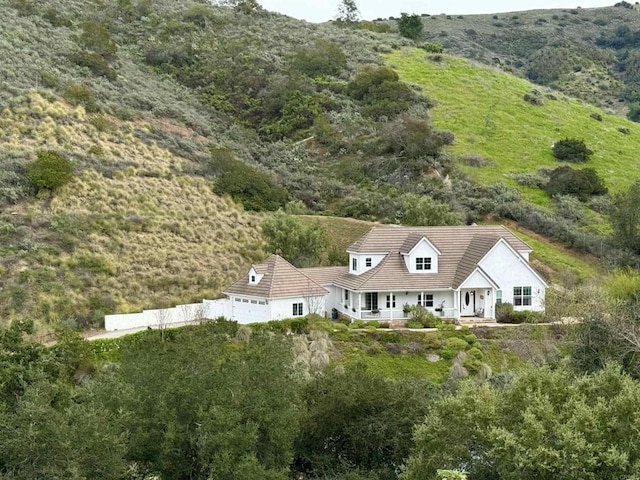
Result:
<point x="521" y="296"/>
<point x="367" y="262"/>
<point x="425" y="300"/>
<point x="354" y="264"/>
<point x="391" y="301"/>
<point x="297" y="309"/>
<point x="423" y="263"/>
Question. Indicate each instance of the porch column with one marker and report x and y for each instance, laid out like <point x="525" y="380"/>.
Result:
<point x="359" y="306"/>
<point x="456" y="304"/>
<point x="392" y="297"/>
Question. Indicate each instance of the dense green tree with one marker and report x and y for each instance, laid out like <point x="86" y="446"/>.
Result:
<point x="50" y="170"/>
<point x="248" y="185"/>
<point x="544" y="424"/>
<point x="413" y="138"/>
<point x="303" y="244"/>
<point x="356" y="421"/>
<point x="625" y="217"/>
<point x="410" y="26"/>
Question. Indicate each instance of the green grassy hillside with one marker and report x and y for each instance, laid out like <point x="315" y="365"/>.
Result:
<point x="484" y="108"/>
<point x="588" y="53"/>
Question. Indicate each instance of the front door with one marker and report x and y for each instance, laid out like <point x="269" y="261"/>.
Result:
<point x="467" y="303"/>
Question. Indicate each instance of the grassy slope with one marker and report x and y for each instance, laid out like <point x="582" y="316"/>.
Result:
<point x="132" y="230"/>
<point x="484" y="108"/>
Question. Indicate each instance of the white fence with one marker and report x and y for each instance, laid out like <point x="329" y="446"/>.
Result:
<point x="160" y="318"/>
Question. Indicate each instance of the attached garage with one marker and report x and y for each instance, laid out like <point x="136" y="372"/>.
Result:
<point x="249" y="310"/>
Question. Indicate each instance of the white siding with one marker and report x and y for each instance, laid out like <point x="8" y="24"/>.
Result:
<point x="509" y="269"/>
<point x="361" y="259"/>
<point x="422" y="250"/>
<point x="476" y="280"/>
<point x="283" y="307"/>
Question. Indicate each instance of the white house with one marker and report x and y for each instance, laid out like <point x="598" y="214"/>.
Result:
<point x="451" y="271"/>
<point x="274" y="290"/>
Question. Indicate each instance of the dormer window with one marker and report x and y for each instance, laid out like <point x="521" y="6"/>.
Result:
<point x="354" y="264"/>
<point x="253" y="279"/>
<point x="367" y="262"/>
<point x="423" y="263"/>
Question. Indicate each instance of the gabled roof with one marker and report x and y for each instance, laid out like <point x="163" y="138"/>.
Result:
<point x="461" y="248"/>
<point x="412" y="241"/>
<point x="280" y="280"/>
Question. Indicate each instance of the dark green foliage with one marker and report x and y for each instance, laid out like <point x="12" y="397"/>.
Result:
<point x="380" y="89"/>
<point x="432" y="47"/>
<point x="410" y="26"/>
<point x="580" y="183"/>
<point x="625" y="218"/>
<point x="413" y="138"/>
<point x="50" y="171"/>
<point x="353" y="420"/>
<point x="506" y="314"/>
<point x="96" y="38"/>
<point x="248" y="185"/>
<point x="298" y="114"/>
<point x="571" y="150"/>
<point x="324" y="58"/>
<point x="421" y="210"/>
<point x="547" y="64"/>
<point x="508" y="431"/>
<point x="81" y="94"/>
<point x="634" y="112"/>
<point x="534" y="97"/>
<point x="94" y="62"/>
<point x="303" y="244"/>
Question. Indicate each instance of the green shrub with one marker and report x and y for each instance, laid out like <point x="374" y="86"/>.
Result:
<point x="413" y="324"/>
<point x="245" y="184"/>
<point x="571" y="150"/>
<point x="324" y="58"/>
<point x="96" y="150"/>
<point x="373" y="323"/>
<point x="580" y="183"/>
<point x="432" y="47"/>
<point x="504" y="310"/>
<point x="410" y="26"/>
<point x="473" y="360"/>
<point x="634" y="112"/>
<point x="81" y="94"/>
<point x="424" y="318"/>
<point x="452" y="346"/>
<point x="381" y="90"/>
<point x="50" y="170"/>
<point x="94" y="62"/>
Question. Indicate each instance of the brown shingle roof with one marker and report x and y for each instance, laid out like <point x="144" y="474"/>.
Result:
<point x="461" y="249"/>
<point x="324" y="275"/>
<point x="280" y="280"/>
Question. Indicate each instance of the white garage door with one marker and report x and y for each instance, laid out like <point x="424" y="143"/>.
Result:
<point x="249" y="311"/>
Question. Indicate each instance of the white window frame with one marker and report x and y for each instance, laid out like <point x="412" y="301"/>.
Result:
<point x="423" y="263"/>
<point x="369" y="303"/>
<point x="521" y="298"/>
<point x="391" y="301"/>
<point x="367" y="262"/>
<point x="425" y="300"/>
<point x="298" y="309"/>
<point x="354" y="264"/>
<point x="498" y="297"/>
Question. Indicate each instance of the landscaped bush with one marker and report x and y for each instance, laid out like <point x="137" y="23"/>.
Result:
<point x="571" y="150"/>
<point x="50" y="171"/>
<point x="452" y="346"/>
<point x="506" y="314"/>
<point x="580" y="183"/>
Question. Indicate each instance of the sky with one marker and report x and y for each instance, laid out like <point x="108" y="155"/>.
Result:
<point x="323" y="10"/>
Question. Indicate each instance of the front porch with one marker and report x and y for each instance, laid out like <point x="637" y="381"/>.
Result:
<point x="476" y="302"/>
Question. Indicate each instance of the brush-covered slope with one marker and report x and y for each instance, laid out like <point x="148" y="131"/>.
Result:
<point x="588" y="53"/>
<point x="132" y="229"/>
<point x="486" y="110"/>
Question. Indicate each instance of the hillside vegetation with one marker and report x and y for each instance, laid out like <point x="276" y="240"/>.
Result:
<point x="187" y="123"/>
<point x="486" y="110"/>
<point x="588" y="53"/>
